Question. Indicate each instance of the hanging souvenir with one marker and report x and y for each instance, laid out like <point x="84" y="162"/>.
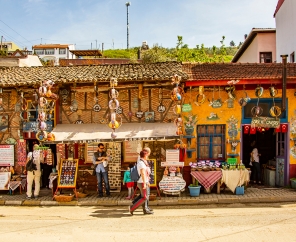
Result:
<point x="244" y="100"/>
<point x="216" y="103"/>
<point x="161" y="108"/>
<point x="259" y="91"/>
<point x="186" y="107"/>
<point x="114" y="123"/>
<point x="74" y="104"/>
<point x="200" y="97"/>
<point x="273" y="91"/>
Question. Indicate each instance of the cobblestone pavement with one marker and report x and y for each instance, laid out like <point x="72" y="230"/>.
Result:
<point x="251" y="195"/>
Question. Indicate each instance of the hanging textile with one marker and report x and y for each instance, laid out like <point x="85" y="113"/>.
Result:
<point x="21" y="152"/>
<point x="48" y="158"/>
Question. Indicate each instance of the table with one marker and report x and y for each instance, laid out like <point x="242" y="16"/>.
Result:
<point x="207" y="179"/>
<point x="235" y="178"/>
<point x="15" y="184"/>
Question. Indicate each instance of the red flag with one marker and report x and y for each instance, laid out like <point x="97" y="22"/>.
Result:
<point x="284" y="128"/>
<point x="259" y="129"/>
<point x="278" y="129"/>
<point x="253" y="130"/>
<point x="247" y="129"/>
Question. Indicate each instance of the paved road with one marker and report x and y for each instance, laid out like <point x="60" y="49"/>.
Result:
<point x="255" y="222"/>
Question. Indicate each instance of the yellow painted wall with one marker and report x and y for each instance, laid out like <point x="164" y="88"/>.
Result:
<point x="225" y="113"/>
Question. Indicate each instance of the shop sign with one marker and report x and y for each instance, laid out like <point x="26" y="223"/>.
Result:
<point x="7" y="155"/>
<point x="186" y="108"/>
<point x="4" y="180"/>
<point x="265" y="122"/>
<point x="172" y="184"/>
<point x="172" y="156"/>
<point x="33" y="126"/>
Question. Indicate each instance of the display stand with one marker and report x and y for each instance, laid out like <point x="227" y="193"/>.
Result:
<point x="67" y="175"/>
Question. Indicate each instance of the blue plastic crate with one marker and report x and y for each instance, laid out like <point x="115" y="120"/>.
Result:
<point x="240" y="191"/>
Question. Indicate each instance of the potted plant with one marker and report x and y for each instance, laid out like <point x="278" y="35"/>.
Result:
<point x="293" y="182"/>
<point x="194" y="189"/>
<point x="190" y="122"/>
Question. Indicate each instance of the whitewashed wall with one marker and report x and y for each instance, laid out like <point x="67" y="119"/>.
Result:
<point x="286" y="30"/>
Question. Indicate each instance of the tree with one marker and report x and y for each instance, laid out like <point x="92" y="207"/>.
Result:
<point x="232" y="44"/>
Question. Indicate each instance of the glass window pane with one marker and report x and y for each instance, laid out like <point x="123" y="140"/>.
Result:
<point x="204" y="140"/>
<point x="204" y="152"/>
<point x="216" y="150"/>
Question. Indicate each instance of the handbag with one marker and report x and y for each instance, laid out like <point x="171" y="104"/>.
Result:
<point x="31" y="166"/>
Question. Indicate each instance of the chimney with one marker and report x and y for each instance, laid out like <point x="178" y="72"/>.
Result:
<point x="284" y="85"/>
<point x="246" y="36"/>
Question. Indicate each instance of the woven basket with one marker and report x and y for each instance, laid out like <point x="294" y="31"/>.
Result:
<point x="63" y="198"/>
<point x="81" y="195"/>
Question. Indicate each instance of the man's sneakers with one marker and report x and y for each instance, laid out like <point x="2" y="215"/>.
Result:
<point x="28" y="198"/>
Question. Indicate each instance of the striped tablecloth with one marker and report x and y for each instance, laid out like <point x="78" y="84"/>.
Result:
<point x="207" y="178"/>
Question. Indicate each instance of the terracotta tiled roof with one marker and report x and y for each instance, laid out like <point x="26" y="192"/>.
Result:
<point x="46" y="46"/>
<point x="15" y="76"/>
<point x="278" y="6"/>
<point x="241" y="71"/>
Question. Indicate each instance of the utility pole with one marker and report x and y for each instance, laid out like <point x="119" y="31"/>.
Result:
<point x="127" y="24"/>
<point x="96" y="45"/>
<point x="1" y="42"/>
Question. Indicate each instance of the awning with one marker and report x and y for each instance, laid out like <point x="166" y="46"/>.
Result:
<point x="85" y="132"/>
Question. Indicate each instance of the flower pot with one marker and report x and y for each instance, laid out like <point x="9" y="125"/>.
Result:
<point x="194" y="191"/>
<point x="293" y="183"/>
<point x="189" y="130"/>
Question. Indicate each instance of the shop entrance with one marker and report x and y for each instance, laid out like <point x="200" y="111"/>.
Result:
<point x="272" y="146"/>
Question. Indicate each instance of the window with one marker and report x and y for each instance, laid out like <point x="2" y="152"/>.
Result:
<point x="211" y="142"/>
<point x="265" y="57"/>
<point x="39" y="52"/>
<point x="292" y="57"/>
<point x="49" y="51"/>
<point x="281" y="144"/>
<point x="62" y="51"/>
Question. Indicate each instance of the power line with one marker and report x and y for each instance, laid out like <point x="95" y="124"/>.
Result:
<point x="12" y="38"/>
<point x="15" y="31"/>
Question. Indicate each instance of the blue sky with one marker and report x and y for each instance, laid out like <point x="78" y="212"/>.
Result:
<point x="88" y="23"/>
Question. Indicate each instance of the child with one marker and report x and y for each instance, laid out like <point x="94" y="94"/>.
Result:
<point x="128" y="181"/>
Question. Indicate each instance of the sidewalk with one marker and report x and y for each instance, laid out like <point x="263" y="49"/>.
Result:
<point x="252" y="195"/>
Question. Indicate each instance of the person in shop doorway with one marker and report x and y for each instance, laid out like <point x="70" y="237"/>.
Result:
<point x="46" y="167"/>
<point x="255" y="164"/>
<point x="34" y="176"/>
<point x="102" y="172"/>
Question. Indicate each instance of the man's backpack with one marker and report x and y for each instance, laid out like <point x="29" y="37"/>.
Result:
<point x="134" y="173"/>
